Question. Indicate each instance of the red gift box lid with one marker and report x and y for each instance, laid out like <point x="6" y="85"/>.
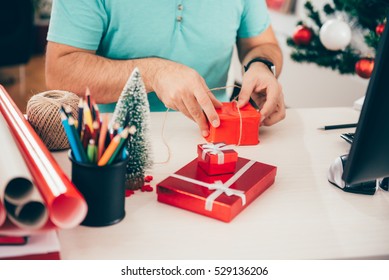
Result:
<point x="256" y="178"/>
<point x="229" y="154"/>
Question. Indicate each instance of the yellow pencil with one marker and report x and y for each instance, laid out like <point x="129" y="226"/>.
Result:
<point x="88" y="120"/>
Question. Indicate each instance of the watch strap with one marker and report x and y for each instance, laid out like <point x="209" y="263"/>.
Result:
<point x="268" y="63"/>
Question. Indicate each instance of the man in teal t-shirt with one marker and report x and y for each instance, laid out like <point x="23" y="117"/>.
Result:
<point x="182" y="48"/>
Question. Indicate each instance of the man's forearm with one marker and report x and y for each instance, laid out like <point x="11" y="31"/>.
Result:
<point x="105" y="77"/>
<point x="265" y="45"/>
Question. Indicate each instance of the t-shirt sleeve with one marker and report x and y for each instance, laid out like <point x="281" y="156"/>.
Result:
<point x="77" y="23"/>
<point x="255" y="18"/>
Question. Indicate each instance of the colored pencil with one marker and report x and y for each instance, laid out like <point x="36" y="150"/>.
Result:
<point x="67" y="111"/>
<point x="80" y="116"/>
<point x="96" y="110"/>
<point x="115" y="129"/>
<point x="131" y="131"/>
<point x="88" y="98"/>
<point x="77" y="139"/>
<point x="96" y="130"/>
<point x="88" y="120"/>
<point x="109" y="151"/>
<point x="71" y="138"/>
<point x="123" y="138"/>
<point x="102" y="135"/>
<point x="92" y="151"/>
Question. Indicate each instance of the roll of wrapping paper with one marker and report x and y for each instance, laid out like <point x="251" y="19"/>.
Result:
<point x="31" y="215"/>
<point x="17" y="192"/>
<point x="2" y="213"/>
<point x="67" y="207"/>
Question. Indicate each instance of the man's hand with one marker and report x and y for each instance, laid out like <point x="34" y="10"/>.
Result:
<point x="260" y="83"/>
<point x="181" y="88"/>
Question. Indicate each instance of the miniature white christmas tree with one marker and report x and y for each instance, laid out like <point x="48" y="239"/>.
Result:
<point x="133" y="109"/>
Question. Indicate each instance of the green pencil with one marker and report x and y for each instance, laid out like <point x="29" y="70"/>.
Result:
<point x="123" y="137"/>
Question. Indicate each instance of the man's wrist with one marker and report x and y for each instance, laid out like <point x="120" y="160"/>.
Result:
<point x="265" y="61"/>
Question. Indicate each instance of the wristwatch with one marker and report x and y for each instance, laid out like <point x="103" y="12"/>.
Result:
<point x="268" y="63"/>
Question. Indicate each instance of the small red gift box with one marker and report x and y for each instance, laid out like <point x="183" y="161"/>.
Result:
<point x="237" y="126"/>
<point x="216" y="158"/>
<point x="221" y="197"/>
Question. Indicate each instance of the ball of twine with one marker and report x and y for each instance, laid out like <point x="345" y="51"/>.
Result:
<point x="43" y="115"/>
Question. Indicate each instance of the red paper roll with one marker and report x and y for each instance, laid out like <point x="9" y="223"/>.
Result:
<point x="67" y="207"/>
<point x="2" y="213"/>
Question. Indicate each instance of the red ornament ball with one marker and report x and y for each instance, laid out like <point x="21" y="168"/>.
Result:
<point x="302" y="35"/>
<point x="364" y="67"/>
<point x="380" y="29"/>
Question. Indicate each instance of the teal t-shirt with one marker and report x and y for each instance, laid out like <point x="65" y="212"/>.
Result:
<point x="200" y="34"/>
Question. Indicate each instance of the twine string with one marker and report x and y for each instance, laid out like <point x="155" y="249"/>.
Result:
<point x="166" y="144"/>
<point x="43" y="115"/>
<point x="240" y="123"/>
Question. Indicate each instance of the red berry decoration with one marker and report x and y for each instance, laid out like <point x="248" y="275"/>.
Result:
<point x="380" y="29"/>
<point x="148" y="178"/>
<point x="129" y="193"/>
<point x="364" y="67"/>
<point x="147" y="188"/>
<point x="302" y="35"/>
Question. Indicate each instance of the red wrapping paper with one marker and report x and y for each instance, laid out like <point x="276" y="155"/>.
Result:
<point x="2" y="213"/>
<point x="216" y="158"/>
<point x="45" y="256"/>
<point x="191" y="196"/>
<point x="67" y="207"/>
<point x="239" y="127"/>
<point x="9" y="229"/>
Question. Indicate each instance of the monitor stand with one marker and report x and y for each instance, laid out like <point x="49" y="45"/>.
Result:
<point x="335" y="178"/>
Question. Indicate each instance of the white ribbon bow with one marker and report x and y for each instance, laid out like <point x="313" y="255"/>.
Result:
<point x="219" y="186"/>
<point x="215" y="149"/>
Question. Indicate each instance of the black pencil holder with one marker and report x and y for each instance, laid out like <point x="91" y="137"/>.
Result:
<point x="103" y="188"/>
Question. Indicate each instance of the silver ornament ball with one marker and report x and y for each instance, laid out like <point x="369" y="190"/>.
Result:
<point x="335" y="34"/>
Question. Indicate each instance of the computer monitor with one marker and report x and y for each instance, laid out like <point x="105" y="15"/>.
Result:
<point x="368" y="158"/>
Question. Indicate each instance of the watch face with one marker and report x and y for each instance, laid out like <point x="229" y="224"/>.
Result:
<point x="273" y="69"/>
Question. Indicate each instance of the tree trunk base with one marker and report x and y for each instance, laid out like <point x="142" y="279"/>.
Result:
<point x="135" y="184"/>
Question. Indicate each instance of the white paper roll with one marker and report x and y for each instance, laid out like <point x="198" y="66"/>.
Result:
<point x="30" y="215"/>
<point x="17" y="192"/>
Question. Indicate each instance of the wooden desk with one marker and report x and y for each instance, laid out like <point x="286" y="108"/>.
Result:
<point x="301" y="216"/>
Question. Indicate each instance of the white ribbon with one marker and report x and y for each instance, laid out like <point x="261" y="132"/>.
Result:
<point x="219" y="186"/>
<point x="215" y="149"/>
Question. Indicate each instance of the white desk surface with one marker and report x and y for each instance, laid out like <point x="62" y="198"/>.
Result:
<point x="301" y="216"/>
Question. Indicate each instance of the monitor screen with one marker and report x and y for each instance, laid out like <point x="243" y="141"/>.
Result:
<point x="369" y="154"/>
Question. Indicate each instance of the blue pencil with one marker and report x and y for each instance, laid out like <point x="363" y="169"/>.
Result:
<point x="73" y="130"/>
<point x="131" y="131"/>
<point x="70" y="136"/>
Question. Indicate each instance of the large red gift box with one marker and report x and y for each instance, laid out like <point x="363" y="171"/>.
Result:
<point x="237" y="126"/>
<point x="221" y="197"/>
<point x="216" y="158"/>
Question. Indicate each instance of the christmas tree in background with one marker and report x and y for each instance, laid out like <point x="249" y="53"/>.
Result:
<point x="343" y="36"/>
<point x="133" y="109"/>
